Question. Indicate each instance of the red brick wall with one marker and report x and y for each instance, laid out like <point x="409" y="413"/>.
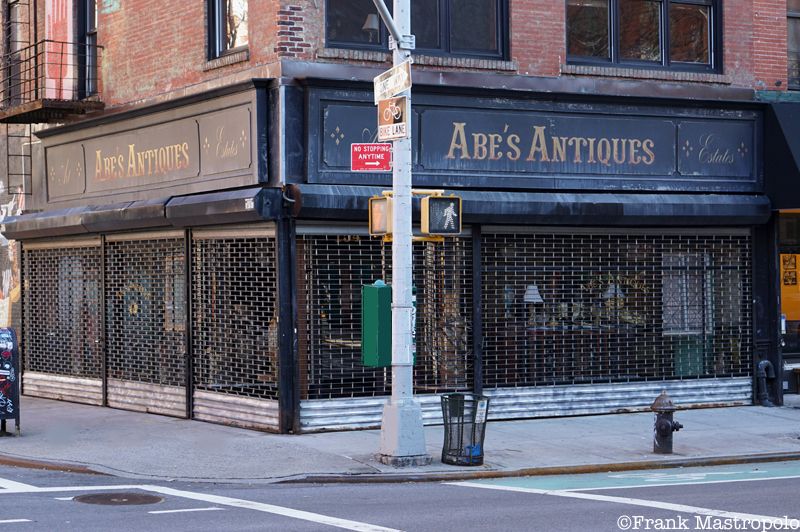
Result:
<point x="152" y="51"/>
<point x="769" y="44"/>
<point x="538" y="36"/>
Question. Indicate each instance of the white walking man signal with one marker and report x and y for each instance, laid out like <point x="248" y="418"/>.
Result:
<point x="450" y="216"/>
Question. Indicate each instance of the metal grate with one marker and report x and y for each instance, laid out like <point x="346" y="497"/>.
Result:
<point x="62" y="330"/>
<point x="570" y="308"/>
<point x="235" y="318"/>
<point x="145" y="319"/>
<point x="443" y="277"/>
<point x="332" y="270"/>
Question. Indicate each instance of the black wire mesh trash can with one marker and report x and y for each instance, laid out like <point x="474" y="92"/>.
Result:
<point x="464" y="417"/>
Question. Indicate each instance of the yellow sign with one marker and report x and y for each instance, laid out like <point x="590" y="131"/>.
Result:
<point x="790" y="290"/>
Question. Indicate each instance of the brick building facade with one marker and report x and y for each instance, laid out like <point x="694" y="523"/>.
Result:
<point x="193" y="241"/>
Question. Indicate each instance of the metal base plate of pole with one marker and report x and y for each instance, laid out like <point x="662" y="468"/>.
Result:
<point x="402" y="437"/>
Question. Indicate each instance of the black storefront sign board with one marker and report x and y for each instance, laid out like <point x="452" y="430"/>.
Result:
<point x="9" y="379"/>
<point x="505" y="143"/>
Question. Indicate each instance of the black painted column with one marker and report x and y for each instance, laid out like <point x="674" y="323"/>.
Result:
<point x="766" y="306"/>
<point x="288" y="384"/>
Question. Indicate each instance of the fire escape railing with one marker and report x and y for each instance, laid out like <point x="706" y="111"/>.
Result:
<point x="50" y="70"/>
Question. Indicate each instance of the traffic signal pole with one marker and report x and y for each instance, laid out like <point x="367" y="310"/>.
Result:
<point x="402" y="435"/>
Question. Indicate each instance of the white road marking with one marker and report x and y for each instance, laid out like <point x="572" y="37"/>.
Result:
<point x="59" y="489"/>
<point x="270" y="508"/>
<point x="185" y="510"/>
<point x="655" y="485"/>
<point x="220" y="500"/>
<point x="63" y="498"/>
<point x="11" y="485"/>
<point x="15" y="521"/>
<point x="629" y="501"/>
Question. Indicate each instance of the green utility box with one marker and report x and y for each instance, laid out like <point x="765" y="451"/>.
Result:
<point x="376" y="325"/>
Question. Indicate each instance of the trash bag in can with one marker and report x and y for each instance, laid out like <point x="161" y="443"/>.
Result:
<point x="464" y="417"/>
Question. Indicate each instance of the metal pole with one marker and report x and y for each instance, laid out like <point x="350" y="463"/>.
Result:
<point x="402" y="435"/>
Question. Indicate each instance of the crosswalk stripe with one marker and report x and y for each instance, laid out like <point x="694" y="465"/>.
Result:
<point x="185" y="510"/>
<point x="629" y="501"/>
<point x="12" y="485"/>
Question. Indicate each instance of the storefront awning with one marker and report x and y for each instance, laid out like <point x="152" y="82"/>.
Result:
<point x="547" y="208"/>
<point x="231" y="206"/>
<point x="782" y="155"/>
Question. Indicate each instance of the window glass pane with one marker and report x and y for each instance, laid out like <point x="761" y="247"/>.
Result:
<point x="794" y="52"/>
<point x="235" y="23"/>
<point x="473" y="25"/>
<point x="587" y="28"/>
<point x="793" y="6"/>
<point x="425" y="23"/>
<point x="639" y="22"/>
<point x="353" y="21"/>
<point x="688" y="33"/>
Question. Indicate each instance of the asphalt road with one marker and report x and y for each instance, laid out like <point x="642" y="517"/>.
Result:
<point x="743" y="497"/>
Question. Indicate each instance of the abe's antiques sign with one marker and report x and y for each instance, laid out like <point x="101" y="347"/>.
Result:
<point x="487" y="145"/>
<point x="180" y="152"/>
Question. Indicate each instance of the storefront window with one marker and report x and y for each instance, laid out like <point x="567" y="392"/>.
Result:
<point x="789" y="234"/>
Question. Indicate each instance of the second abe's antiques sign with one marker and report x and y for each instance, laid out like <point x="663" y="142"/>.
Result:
<point x="491" y="145"/>
<point x="203" y="147"/>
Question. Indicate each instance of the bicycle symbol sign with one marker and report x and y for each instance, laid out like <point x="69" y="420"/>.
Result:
<point x="393" y="118"/>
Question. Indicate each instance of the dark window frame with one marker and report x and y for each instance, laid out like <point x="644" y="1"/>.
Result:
<point x="87" y="46"/>
<point x="714" y="41"/>
<point x="217" y="46"/>
<point x="793" y="81"/>
<point x="382" y="44"/>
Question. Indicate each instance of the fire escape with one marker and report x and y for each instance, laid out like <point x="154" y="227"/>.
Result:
<point x="43" y="81"/>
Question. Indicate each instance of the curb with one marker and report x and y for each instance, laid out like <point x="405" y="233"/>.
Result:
<point x="387" y="478"/>
<point x="547" y="470"/>
<point x="30" y="463"/>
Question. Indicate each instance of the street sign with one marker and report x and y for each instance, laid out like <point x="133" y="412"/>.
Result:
<point x="393" y="118"/>
<point x="441" y="215"/>
<point x="371" y="157"/>
<point x="392" y="82"/>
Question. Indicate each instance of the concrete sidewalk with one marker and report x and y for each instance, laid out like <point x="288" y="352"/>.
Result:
<point x="128" y="444"/>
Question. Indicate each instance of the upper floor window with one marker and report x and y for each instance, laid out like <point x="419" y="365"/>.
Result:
<point x="793" y="42"/>
<point x="644" y="33"/>
<point x="87" y="56"/>
<point x="227" y="26"/>
<point x="471" y="28"/>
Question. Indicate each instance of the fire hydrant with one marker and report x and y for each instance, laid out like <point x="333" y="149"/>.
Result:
<point x="664" y="426"/>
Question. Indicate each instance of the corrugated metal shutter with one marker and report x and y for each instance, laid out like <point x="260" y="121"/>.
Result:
<point x="62" y="332"/>
<point x="584" y="307"/>
<point x="145" y="322"/>
<point x="235" y="327"/>
<point x="333" y="269"/>
<point x="574" y="321"/>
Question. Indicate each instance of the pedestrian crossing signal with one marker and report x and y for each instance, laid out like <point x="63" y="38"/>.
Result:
<point x="441" y="215"/>
<point x="380" y="216"/>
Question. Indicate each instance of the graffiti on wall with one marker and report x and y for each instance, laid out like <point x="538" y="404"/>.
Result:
<point x="10" y="290"/>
